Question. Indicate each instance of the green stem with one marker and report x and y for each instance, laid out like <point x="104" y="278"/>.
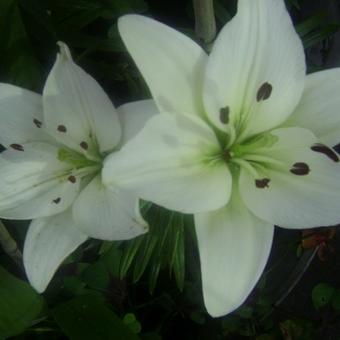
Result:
<point x="9" y="245"/>
<point x="205" y="24"/>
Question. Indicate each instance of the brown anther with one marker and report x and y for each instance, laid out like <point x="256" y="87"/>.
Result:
<point x="326" y="151"/>
<point x="17" y="147"/>
<point x="262" y="183"/>
<point x="300" y="169"/>
<point x="72" y="179"/>
<point x="264" y="92"/>
<point x="57" y="200"/>
<point x="37" y="123"/>
<point x="61" y="128"/>
<point x="224" y="115"/>
<point x="84" y="145"/>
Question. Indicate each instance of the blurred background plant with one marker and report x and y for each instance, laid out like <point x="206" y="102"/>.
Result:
<point x="149" y="288"/>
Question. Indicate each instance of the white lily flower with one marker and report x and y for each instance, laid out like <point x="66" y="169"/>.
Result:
<point x="238" y="143"/>
<point x="51" y="170"/>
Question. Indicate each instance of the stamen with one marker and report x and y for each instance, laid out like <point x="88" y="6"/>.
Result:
<point x="262" y="183"/>
<point x="37" y="123"/>
<point x="61" y="128"/>
<point x="72" y="179"/>
<point x="300" y="169"/>
<point x="17" y="147"/>
<point x="326" y="151"/>
<point x="264" y="92"/>
<point x="84" y="145"/>
<point x="224" y="115"/>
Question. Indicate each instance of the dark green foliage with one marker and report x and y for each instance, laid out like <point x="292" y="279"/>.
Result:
<point x="87" y="317"/>
<point x="20" y="305"/>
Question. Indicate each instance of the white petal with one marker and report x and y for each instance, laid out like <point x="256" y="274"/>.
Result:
<point x="172" y="64"/>
<point x="108" y="214"/>
<point x="319" y="108"/>
<point x="73" y="100"/>
<point x="21" y="116"/>
<point x="48" y="242"/>
<point x="295" y="199"/>
<point x="133" y="117"/>
<point x="172" y="162"/>
<point x="34" y="183"/>
<point x="258" y="46"/>
<point x="234" y="246"/>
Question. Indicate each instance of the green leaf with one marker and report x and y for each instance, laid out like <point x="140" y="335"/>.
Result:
<point x="20" y="305"/>
<point x="320" y="35"/>
<point x="144" y="256"/>
<point x="222" y="15"/>
<point x="245" y="312"/>
<point x="87" y="317"/>
<point x="177" y="263"/>
<point x="310" y="24"/>
<point x="322" y="295"/>
<point x="129" y="253"/>
<point x="18" y="62"/>
<point x="96" y="276"/>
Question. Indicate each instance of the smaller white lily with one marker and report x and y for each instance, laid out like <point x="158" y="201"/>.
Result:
<point x="240" y="140"/>
<point x="51" y="170"/>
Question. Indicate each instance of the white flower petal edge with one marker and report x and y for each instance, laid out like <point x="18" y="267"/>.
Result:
<point x="34" y="183"/>
<point x="133" y="117"/>
<point x="234" y="246"/>
<point x="171" y="162"/>
<point x="21" y="116"/>
<point x="176" y="78"/>
<point x="257" y="54"/>
<point x="77" y="110"/>
<point x="318" y="109"/>
<point x="108" y="214"/>
<point x="302" y="185"/>
<point x="48" y="242"/>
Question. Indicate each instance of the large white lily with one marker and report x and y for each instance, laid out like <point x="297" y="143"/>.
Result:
<point x="51" y="169"/>
<point x="240" y="141"/>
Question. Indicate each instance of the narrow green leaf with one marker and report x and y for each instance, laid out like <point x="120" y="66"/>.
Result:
<point x="178" y="255"/>
<point x="310" y="24"/>
<point x="144" y="256"/>
<point x="20" y="305"/>
<point x="130" y="250"/>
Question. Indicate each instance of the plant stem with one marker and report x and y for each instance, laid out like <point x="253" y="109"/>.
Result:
<point x="9" y="245"/>
<point x="205" y="24"/>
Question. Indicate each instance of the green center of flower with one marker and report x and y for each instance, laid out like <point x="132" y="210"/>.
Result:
<point x="80" y="166"/>
<point x="75" y="159"/>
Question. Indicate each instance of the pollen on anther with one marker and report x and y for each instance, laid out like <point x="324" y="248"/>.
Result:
<point x="37" y="123"/>
<point x="224" y="115"/>
<point x="61" y="128"/>
<point x="262" y="183"/>
<point x="17" y="147"/>
<point x="300" y="169"/>
<point x="57" y="200"/>
<point x="72" y="179"/>
<point x="264" y="92"/>
<point x="326" y="151"/>
<point x="84" y="145"/>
